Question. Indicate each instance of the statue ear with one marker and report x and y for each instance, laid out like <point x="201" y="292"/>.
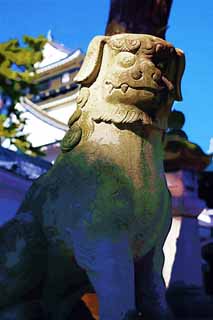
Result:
<point x="180" y="66"/>
<point x="92" y="61"/>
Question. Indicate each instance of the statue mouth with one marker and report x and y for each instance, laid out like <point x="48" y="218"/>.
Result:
<point x="123" y="87"/>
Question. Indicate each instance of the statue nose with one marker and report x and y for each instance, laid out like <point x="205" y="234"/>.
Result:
<point x="149" y="69"/>
<point x="146" y="69"/>
<point x="137" y="74"/>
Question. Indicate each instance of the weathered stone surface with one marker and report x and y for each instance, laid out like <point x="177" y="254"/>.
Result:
<point x="102" y="212"/>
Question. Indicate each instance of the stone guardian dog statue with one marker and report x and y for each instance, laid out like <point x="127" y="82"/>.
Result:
<point x="99" y="218"/>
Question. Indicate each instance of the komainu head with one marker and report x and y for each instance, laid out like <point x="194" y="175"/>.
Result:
<point x="130" y="77"/>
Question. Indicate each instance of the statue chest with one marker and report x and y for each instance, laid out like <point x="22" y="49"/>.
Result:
<point x="105" y="198"/>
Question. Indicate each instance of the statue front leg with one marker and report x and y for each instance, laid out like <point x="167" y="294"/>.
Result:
<point x="150" y="287"/>
<point x="109" y="266"/>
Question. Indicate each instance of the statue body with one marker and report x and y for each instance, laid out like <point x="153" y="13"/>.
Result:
<point x="100" y="216"/>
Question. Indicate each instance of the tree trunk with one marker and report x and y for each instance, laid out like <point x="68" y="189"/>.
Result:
<point x="139" y="16"/>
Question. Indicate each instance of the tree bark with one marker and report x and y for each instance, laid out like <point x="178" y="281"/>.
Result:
<point x="139" y="16"/>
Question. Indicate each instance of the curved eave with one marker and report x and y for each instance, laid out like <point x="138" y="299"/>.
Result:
<point x="76" y="55"/>
<point x="58" y="103"/>
<point x="59" y="47"/>
<point x="56" y="98"/>
<point x="41" y="114"/>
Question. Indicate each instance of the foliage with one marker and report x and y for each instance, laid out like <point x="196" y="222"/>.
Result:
<point x="17" y="77"/>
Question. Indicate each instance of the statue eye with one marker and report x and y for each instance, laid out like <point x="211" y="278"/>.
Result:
<point x="126" y="59"/>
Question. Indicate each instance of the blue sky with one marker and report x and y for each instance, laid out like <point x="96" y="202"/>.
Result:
<point x="74" y="23"/>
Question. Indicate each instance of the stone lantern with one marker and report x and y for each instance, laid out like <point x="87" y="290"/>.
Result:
<point x="182" y="269"/>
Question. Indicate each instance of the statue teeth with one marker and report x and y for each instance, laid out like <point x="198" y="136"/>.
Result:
<point x="124" y="87"/>
<point x="110" y="88"/>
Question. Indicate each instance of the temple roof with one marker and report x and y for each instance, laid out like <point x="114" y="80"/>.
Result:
<point x="27" y="167"/>
<point x="55" y="55"/>
<point x="50" y="108"/>
<point x="43" y="115"/>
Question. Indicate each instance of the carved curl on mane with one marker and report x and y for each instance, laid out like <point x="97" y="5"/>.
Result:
<point x="79" y="124"/>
